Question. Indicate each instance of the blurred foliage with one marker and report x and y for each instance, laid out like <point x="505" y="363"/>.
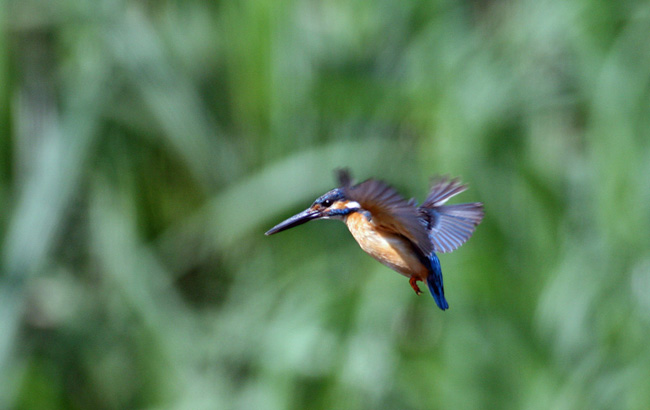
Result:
<point x="147" y="145"/>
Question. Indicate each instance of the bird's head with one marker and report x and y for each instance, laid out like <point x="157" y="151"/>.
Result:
<point x="332" y="205"/>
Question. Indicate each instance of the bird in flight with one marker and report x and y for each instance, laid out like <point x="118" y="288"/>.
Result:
<point x="395" y="231"/>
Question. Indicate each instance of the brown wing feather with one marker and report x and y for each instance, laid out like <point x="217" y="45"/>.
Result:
<point x="389" y="210"/>
<point x="443" y="188"/>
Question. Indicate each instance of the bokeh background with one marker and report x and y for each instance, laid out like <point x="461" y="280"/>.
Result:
<point x="146" y="146"/>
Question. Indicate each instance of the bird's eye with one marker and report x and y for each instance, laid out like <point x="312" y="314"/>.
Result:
<point x="327" y="203"/>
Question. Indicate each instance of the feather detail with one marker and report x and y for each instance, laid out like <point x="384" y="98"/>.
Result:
<point x="450" y="226"/>
<point x="390" y="211"/>
<point x="435" y="284"/>
<point x="443" y="188"/>
<point x="394" y="251"/>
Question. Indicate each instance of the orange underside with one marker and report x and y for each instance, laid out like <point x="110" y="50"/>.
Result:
<point x="391" y="249"/>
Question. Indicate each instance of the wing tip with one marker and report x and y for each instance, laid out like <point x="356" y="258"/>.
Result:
<point x="443" y="187"/>
<point x="343" y="176"/>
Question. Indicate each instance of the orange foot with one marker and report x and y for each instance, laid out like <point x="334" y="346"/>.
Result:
<point x="413" y="282"/>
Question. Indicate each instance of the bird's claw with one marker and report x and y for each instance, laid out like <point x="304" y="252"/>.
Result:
<point x="413" y="282"/>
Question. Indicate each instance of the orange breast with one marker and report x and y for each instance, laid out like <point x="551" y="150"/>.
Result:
<point x="390" y="249"/>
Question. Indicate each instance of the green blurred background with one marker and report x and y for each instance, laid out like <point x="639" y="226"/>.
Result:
<point x="146" y="146"/>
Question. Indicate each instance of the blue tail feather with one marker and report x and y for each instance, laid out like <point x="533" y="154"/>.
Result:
<point x="434" y="281"/>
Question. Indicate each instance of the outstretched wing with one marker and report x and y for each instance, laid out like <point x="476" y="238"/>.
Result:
<point x="388" y="209"/>
<point x="443" y="188"/>
<point x="449" y="226"/>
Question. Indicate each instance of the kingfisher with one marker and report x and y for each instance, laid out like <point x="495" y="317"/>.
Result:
<point x="395" y="231"/>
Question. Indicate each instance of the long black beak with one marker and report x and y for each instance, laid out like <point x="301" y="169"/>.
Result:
<point x="299" y="219"/>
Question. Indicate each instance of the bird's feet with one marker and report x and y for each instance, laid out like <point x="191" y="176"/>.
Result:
<point x="413" y="282"/>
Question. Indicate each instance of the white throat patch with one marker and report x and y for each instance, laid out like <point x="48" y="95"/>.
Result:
<point x="353" y="205"/>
